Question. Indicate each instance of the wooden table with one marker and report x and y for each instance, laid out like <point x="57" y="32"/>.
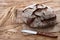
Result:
<point x="55" y="4"/>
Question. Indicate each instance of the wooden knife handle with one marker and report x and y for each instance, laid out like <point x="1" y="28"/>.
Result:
<point x="47" y="34"/>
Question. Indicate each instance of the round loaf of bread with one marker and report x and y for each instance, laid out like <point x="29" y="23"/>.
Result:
<point x="39" y="16"/>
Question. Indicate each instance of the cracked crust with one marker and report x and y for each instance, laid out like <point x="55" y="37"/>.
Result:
<point x="44" y="16"/>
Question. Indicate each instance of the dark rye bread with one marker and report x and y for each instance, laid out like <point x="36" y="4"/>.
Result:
<point x="39" y="16"/>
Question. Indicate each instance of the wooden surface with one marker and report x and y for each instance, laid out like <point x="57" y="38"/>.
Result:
<point x="55" y="4"/>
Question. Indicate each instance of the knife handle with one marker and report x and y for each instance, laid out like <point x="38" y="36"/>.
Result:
<point x="47" y="34"/>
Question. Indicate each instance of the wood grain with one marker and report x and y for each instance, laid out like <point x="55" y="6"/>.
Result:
<point x="5" y="35"/>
